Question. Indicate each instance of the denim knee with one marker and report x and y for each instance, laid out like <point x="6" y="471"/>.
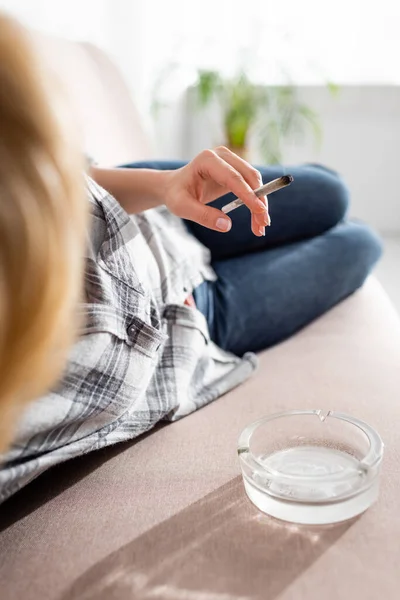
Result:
<point x="333" y="190"/>
<point x="367" y="242"/>
<point x="359" y="250"/>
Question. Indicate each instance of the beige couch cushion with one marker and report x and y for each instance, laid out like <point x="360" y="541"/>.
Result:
<point x="166" y="517"/>
<point x="111" y="125"/>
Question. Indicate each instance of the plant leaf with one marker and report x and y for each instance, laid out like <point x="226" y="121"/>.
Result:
<point x="333" y="88"/>
<point x="311" y="117"/>
<point x="207" y="86"/>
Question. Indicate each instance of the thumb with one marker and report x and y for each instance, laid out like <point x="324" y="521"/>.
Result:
<point x="209" y="217"/>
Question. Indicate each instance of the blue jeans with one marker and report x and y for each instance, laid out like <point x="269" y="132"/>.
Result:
<point x="310" y="259"/>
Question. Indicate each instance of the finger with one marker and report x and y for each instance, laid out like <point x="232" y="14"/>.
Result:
<point x="256" y="228"/>
<point x="218" y="169"/>
<point x="209" y="217"/>
<point x="264" y="219"/>
<point x="251" y="175"/>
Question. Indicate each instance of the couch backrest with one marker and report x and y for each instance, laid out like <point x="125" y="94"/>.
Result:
<point x="110" y="123"/>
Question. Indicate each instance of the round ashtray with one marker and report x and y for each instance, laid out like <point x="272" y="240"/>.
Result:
<point x="311" y="466"/>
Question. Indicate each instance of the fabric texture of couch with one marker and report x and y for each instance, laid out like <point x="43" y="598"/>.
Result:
<point x="165" y="517"/>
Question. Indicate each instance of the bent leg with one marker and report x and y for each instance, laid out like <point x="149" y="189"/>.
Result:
<point x="261" y="299"/>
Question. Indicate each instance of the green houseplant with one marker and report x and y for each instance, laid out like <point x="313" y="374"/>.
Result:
<point x="272" y="113"/>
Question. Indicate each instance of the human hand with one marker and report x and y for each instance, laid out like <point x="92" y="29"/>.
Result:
<point x="210" y="175"/>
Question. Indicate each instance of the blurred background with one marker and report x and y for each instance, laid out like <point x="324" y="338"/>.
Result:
<point x="277" y="81"/>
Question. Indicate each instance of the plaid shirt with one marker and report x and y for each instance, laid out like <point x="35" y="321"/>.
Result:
<point x="143" y="354"/>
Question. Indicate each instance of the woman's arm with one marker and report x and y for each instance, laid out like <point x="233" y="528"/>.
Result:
<point x="188" y="191"/>
<point x="136" y="190"/>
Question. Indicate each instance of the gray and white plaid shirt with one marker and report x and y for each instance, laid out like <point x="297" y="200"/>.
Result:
<point x="143" y="354"/>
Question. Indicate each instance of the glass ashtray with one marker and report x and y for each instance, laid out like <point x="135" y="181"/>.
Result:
<point x="311" y="466"/>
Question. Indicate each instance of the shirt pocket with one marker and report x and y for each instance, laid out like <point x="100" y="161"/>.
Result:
<point x="135" y="332"/>
<point x="185" y="359"/>
<point x="115" y="360"/>
<point x="189" y="323"/>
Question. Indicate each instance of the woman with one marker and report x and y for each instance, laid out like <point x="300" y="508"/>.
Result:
<point x="170" y="311"/>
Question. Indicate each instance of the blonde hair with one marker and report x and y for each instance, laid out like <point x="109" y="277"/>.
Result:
<point x="42" y="226"/>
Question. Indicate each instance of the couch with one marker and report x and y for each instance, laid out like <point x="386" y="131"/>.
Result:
<point x="165" y="516"/>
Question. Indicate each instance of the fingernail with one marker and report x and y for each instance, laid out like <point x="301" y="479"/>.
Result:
<point x="262" y="230"/>
<point x="261" y="204"/>
<point x="224" y="224"/>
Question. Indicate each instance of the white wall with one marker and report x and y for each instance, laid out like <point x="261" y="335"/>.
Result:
<point x="361" y="141"/>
